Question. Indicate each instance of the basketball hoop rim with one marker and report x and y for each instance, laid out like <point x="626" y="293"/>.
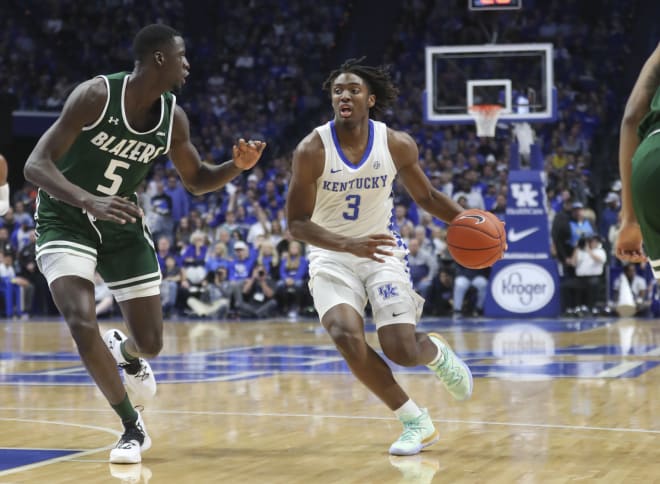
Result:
<point x="485" y="117"/>
<point x="485" y="109"/>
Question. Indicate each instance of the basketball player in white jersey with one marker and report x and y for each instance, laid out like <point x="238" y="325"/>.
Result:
<point x="339" y="201"/>
<point x="4" y="186"/>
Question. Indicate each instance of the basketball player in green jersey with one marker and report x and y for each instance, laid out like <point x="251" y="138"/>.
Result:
<point x="87" y="166"/>
<point x="639" y="166"/>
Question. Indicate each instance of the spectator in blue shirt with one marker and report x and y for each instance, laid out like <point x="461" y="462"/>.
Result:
<point x="179" y="196"/>
<point x="293" y="273"/>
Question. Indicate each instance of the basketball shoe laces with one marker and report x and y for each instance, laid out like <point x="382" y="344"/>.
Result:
<point x="412" y="430"/>
<point x="133" y="432"/>
<point x="136" y="369"/>
<point x="446" y="370"/>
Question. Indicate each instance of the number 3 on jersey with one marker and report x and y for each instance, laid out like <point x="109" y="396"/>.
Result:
<point x="114" y="178"/>
<point x="354" y="206"/>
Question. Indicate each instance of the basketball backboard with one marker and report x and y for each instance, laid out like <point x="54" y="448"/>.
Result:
<point x="518" y="77"/>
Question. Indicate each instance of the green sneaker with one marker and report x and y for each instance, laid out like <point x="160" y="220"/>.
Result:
<point x="452" y="371"/>
<point x="418" y="433"/>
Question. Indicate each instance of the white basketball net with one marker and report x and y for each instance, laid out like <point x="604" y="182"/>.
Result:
<point x="485" y="117"/>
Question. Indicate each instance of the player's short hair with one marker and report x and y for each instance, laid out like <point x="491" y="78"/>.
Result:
<point x="152" y="38"/>
<point x="378" y="80"/>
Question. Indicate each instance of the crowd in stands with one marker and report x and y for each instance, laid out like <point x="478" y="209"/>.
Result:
<point x="256" y="73"/>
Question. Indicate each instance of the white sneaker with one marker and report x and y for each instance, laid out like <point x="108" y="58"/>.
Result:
<point x="418" y="432"/>
<point x="138" y="376"/>
<point x="132" y="443"/>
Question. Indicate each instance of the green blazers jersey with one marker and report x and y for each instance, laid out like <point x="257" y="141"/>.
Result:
<point x="110" y="157"/>
<point x="651" y="121"/>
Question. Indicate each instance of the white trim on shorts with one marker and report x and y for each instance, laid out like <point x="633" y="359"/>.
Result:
<point x="59" y="262"/>
<point x="62" y="262"/>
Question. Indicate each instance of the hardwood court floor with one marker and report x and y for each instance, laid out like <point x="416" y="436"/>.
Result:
<point x="272" y="402"/>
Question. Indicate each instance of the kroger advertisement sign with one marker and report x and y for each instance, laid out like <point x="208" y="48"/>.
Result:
<point x="523" y="288"/>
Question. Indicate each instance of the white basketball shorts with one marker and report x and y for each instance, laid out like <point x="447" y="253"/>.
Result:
<point x="339" y="278"/>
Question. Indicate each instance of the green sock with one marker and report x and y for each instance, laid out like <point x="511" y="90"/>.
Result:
<point x="125" y="410"/>
<point x="127" y="356"/>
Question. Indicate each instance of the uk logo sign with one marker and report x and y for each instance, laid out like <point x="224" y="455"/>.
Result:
<point x="525" y="194"/>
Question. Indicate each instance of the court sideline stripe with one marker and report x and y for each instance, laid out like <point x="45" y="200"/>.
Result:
<point x="315" y="415"/>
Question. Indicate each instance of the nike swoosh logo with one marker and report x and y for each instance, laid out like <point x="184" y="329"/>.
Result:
<point x="479" y="218"/>
<point x="394" y="315"/>
<point x="335" y="171"/>
<point x="516" y="236"/>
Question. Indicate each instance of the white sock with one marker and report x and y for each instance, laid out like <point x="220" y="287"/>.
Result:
<point x="438" y="358"/>
<point x="408" y="410"/>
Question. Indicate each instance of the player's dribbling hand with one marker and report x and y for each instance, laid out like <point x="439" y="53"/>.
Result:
<point x="629" y="244"/>
<point x="247" y="153"/>
<point x="372" y="246"/>
<point x="114" y="209"/>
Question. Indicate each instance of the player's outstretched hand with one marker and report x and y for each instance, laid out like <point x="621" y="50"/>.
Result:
<point x="247" y="153"/>
<point x="114" y="209"/>
<point x="629" y="244"/>
<point x="372" y="246"/>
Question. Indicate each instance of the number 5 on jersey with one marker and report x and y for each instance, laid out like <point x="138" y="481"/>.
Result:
<point x="114" y="178"/>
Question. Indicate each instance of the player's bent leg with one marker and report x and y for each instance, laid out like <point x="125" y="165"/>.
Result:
<point x="138" y="375"/>
<point x="346" y="328"/>
<point x="451" y="370"/>
<point x="404" y="346"/>
<point x="144" y="318"/>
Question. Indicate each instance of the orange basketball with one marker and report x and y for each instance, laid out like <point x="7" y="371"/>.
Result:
<point x="476" y="239"/>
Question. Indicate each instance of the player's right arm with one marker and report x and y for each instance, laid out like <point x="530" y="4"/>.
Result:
<point x="308" y="164"/>
<point x="629" y="241"/>
<point x="82" y="108"/>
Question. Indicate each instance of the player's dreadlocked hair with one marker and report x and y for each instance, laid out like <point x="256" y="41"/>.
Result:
<point x="378" y="81"/>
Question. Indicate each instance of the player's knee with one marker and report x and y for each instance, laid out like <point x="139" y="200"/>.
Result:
<point x="350" y="344"/>
<point x="84" y="330"/>
<point x="149" y="345"/>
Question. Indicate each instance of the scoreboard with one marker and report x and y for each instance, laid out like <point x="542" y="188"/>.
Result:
<point x="479" y="5"/>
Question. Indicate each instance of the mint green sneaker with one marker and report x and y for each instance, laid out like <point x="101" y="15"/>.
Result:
<point x="452" y="371"/>
<point x="418" y="433"/>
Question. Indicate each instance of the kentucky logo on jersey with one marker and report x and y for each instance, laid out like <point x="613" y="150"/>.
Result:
<point x="128" y="149"/>
<point x="360" y="183"/>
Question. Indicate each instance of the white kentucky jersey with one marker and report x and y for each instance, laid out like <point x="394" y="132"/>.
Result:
<point x="355" y="200"/>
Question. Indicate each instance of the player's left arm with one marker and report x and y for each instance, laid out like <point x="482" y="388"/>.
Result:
<point x="200" y="177"/>
<point x="406" y="155"/>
